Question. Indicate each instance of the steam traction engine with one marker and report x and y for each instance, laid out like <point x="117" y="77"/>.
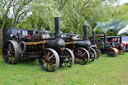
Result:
<point x="112" y="48"/>
<point x="20" y="45"/>
<point x="116" y="41"/>
<point x="81" y="48"/>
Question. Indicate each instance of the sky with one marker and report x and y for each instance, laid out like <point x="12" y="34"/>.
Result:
<point x="123" y="1"/>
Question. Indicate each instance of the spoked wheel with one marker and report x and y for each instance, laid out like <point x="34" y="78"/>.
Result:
<point x="49" y="60"/>
<point x="81" y="56"/>
<point x="22" y="46"/>
<point x="122" y="51"/>
<point x="11" y="52"/>
<point x="92" y="54"/>
<point x="67" y="58"/>
<point x="98" y="53"/>
<point x="112" y="52"/>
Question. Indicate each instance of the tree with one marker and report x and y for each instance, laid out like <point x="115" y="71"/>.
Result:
<point x="78" y="12"/>
<point x="15" y="9"/>
<point x="73" y="14"/>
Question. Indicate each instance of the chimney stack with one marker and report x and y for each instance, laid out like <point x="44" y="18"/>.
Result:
<point x="85" y="28"/>
<point x="94" y="39"/>
<point x="57" y="27"/>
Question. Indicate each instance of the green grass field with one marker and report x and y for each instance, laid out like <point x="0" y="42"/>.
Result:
<point x="104" y="71"/>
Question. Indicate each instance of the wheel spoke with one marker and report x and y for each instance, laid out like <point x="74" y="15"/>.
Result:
<point x="10" y="60"/>
<point x="48" y="54"/>
<point x="51" y="57"/>
<point x="10" y="47"/>
<point x="6" y="49"/>
<point x="83" y="54"/>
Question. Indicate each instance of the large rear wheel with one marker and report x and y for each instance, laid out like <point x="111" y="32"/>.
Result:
<point x="11" y="52"/>
<point x="49" y="60"/>
<point x="81" y="56"/>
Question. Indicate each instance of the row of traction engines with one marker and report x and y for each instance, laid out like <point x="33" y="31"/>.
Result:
<point x="51" y="51"/>
<point x="111" y="45"/>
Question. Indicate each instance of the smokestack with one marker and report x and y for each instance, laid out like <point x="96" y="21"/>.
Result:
<point x="105" y="38"/>
<point x="94" y="39"/>
<point x="85" y="28"/>
<point x="57" y="27"/>
<point x="120" y="39"/>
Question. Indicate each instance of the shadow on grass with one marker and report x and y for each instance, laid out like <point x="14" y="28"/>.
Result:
<point x="29" y="65"/>
<point x="21" y="64"/>
<point x="106" y="56"/>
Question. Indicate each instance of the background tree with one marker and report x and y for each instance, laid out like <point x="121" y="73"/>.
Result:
<point x="39" y="14"/>
<point x="17" y="10"/>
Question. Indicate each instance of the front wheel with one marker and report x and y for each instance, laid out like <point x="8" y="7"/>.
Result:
<point x="82" y="56"/>
<point x="49" y="60"/>
<point x="67" y="59"/>
<point x="98" y="53"/>
<point x="122" y="51"/>
<point x="92" y="54"/>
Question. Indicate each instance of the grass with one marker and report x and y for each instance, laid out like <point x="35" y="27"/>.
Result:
<point x="104" y="71"/>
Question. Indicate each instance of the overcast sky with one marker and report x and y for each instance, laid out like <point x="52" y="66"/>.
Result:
<point x="123" y="1"/>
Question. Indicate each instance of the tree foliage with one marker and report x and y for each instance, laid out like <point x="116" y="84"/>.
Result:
<point x="39" y="14"/>
<point x="17" y="10"/>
